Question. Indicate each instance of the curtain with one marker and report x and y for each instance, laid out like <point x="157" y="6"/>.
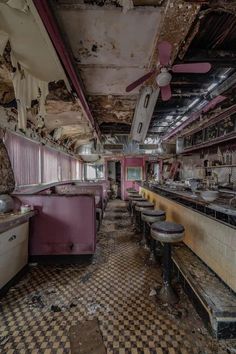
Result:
<point x="65" y="167"/>
<point x="50" y="165"/>
<point x="25" y="159"/>
<point x="35" y="164"/>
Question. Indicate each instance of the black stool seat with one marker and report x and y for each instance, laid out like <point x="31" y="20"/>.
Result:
<point x="167" y="231"/>
<point x="138" y="200"/>
<point x="138" y="196"/>
<point x="168" y="227"/>
<point x="133" y="193"/>
<point x="142" y="205"/>
<point x="155" y="212"/>
<point x="152" y="216"/>
<point x="130" y="190"/>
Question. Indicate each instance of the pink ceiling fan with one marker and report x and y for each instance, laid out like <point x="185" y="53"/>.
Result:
<point x="162" y="72"/>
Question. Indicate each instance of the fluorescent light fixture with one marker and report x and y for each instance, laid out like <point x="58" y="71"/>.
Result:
<point x="165" y="124"/>
<point x="178" y="123"/>
<point x="184" y="118"/>
<point x="202" y="104"/>
<point x="224" y="75"/>
<point x="214" y="84"/>
<point x="193" y="103"/>
<point x="169" y="118"/>
<point x="177" y="117"/>
<point x="143" y="113"/>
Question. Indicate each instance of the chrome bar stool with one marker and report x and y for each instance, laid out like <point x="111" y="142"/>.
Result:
<point x="134" y="201"/>
<point x="149" y="217"/>
<point x="130" y="199"/>
<point x="130" y="190"/>
<point x="167" y="233"/>
<point x="139" y="207"/>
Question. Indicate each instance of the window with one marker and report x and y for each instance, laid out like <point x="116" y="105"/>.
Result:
<point x="94" y="171"/>
<point x="50" y="165"/>
<point x="25" y="159"/>
<point x="33" y="163"/>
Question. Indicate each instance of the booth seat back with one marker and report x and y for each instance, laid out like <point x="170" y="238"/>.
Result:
<point x="77" y="188"/>
<point x="65" y="224"/>
<point x="105" y="187"/>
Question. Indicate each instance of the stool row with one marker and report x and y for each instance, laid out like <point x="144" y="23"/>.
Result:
<point x="150" y="221"/>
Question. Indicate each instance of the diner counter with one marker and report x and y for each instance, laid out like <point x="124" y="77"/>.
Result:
<point x="10" y="220"/>
<point x="213" y="240"/>
<point x="226" y="213"/>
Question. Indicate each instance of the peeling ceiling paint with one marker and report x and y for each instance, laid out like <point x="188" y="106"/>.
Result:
<point x="111" y="49"/>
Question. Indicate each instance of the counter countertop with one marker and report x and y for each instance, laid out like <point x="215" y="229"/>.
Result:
<point x="218" y="205"/>
<point x="10" y="220"/>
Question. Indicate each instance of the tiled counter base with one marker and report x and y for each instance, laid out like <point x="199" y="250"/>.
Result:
<point x="214" y="301"/>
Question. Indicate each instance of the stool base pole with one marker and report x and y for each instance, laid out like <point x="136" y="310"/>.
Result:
<point x="143" y="242"/>
<point x="152" y="258"/>
<point x="167" y="293"/>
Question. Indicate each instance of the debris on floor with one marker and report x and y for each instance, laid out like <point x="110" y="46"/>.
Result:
<point x="152" y="292"/>
<point x="117" y="288"/>
<point x="86" y="338"/>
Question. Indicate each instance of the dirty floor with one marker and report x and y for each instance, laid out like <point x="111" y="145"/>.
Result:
<point x="117" y="288"/>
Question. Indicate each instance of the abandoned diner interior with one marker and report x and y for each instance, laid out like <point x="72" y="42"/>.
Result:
<point x="117" y="176"/>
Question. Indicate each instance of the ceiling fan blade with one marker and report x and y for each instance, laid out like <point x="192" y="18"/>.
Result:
<point x="165" y="93"/>
<point x="138" y="82"/>
<point x="164" y="50"/>
<point x="195" y="68"/>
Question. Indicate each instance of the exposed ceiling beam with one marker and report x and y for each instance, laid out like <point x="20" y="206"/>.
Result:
<point x="218" y="58"/>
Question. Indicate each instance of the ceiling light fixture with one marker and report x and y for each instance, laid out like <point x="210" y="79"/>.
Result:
<point x="224" y="75"/>
<point x="143" y="113"/>
<point x="169" y="118"/>
<point x="213" y="85"/>
<point x="202" y="104"/>
<point x="194" y="102"/>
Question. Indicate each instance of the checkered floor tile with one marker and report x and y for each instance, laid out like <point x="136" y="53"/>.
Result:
<point x="114" y="287"/>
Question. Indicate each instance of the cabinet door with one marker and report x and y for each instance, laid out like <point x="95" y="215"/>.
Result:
<point x="13" y="252"/>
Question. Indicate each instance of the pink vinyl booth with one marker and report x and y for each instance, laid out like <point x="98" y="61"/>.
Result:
<point x="64" y="225"/>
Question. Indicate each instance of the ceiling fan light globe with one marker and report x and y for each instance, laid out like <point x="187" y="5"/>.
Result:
<point x="163" y="79"/>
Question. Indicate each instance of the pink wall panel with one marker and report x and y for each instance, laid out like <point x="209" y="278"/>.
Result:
<point x="132" y="162"/>
<point x="127" y="162"/>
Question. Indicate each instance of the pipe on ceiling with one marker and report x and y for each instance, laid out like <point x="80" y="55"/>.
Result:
<point x="51" y="26"/>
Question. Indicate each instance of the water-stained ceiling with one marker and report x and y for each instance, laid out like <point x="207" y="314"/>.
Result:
<point x="111" y="46"/>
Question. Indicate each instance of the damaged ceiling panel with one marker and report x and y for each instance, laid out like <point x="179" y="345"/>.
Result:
<point x="110" y="108"/>
<point x="33" y="80"/>
<point x="111" y="49"/>
<point x="211" y="38"/>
